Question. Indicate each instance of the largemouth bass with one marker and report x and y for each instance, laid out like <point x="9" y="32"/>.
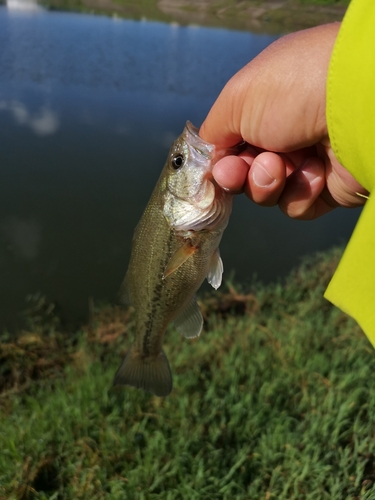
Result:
<point x="174" y="248"/>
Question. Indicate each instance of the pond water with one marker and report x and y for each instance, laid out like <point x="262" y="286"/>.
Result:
<point x="88" y="109"/>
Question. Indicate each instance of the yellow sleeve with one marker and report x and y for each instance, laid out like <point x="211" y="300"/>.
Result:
<point x="351" y="126"/>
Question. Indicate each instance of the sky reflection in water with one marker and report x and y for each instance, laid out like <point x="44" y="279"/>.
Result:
<point x="89" y="107"/>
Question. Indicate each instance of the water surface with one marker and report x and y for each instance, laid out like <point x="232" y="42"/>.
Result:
<point x="88" y="109"/>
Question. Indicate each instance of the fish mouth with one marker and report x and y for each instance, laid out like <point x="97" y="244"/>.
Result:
<point x="191" y="136"/>
<point x="206" y="149"/>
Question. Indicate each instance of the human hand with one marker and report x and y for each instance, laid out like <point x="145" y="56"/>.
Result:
<point x="277" y="104"/>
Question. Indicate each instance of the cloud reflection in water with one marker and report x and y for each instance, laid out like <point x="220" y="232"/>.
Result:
<point x="44" y="122"/>
<point x="28" y="5"/>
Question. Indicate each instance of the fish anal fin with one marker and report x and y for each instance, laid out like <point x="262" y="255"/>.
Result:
<point x="179" y="257"/>
<point x="190" y="322"/>
<point x="215" y="271"/>
<point x="152" y="374"/>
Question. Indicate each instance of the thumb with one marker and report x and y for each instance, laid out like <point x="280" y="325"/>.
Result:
<point x="221" y="124"/>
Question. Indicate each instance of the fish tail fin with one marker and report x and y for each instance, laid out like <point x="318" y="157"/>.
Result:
<point x="151" y="374"/>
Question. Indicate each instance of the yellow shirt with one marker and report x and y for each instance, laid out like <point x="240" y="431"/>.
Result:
<point x="351" y="126"/>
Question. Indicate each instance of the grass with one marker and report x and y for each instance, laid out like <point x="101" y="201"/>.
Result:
<point x="275" y="400"/>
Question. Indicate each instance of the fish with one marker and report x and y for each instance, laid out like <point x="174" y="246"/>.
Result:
<point x="175" y="247"/>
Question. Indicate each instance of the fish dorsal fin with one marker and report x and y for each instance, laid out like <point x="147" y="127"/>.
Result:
<point x="179" y="257"/>
<point x="189" y="323"/>
<point x="216" y="269"/>
<point x="124" y="293"/>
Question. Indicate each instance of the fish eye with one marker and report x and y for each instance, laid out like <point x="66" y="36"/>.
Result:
<point x="177" y="161"/>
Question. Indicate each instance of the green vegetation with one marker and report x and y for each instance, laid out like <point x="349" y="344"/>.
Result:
<point x="129" y="9"/>
<point x="275" y="400"/>
<point x="272" y="16"/>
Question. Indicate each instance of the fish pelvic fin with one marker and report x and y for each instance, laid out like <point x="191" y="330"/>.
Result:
<point x="152" y="374"/>
<point x="215" y="272"/>
<point x="190" y="322"/>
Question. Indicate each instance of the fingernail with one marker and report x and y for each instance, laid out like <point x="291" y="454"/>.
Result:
<point x="260" y="175"/>
<point x="309" y="174"/>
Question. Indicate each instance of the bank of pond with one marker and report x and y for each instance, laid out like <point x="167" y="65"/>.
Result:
<point x="274" y="400"/>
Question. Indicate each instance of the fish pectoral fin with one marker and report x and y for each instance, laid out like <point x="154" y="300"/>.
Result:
<point x="189" y="323"/>
<point x="124" y="293"/>
<point x="151" y="374"/>
<point x="215" y="271"/>
<point x="179" y="257"/>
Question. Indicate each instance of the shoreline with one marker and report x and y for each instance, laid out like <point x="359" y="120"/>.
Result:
<point x="278" y="386"/>
<point x="269" y="17"/>
<point x="274" y="17"/>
